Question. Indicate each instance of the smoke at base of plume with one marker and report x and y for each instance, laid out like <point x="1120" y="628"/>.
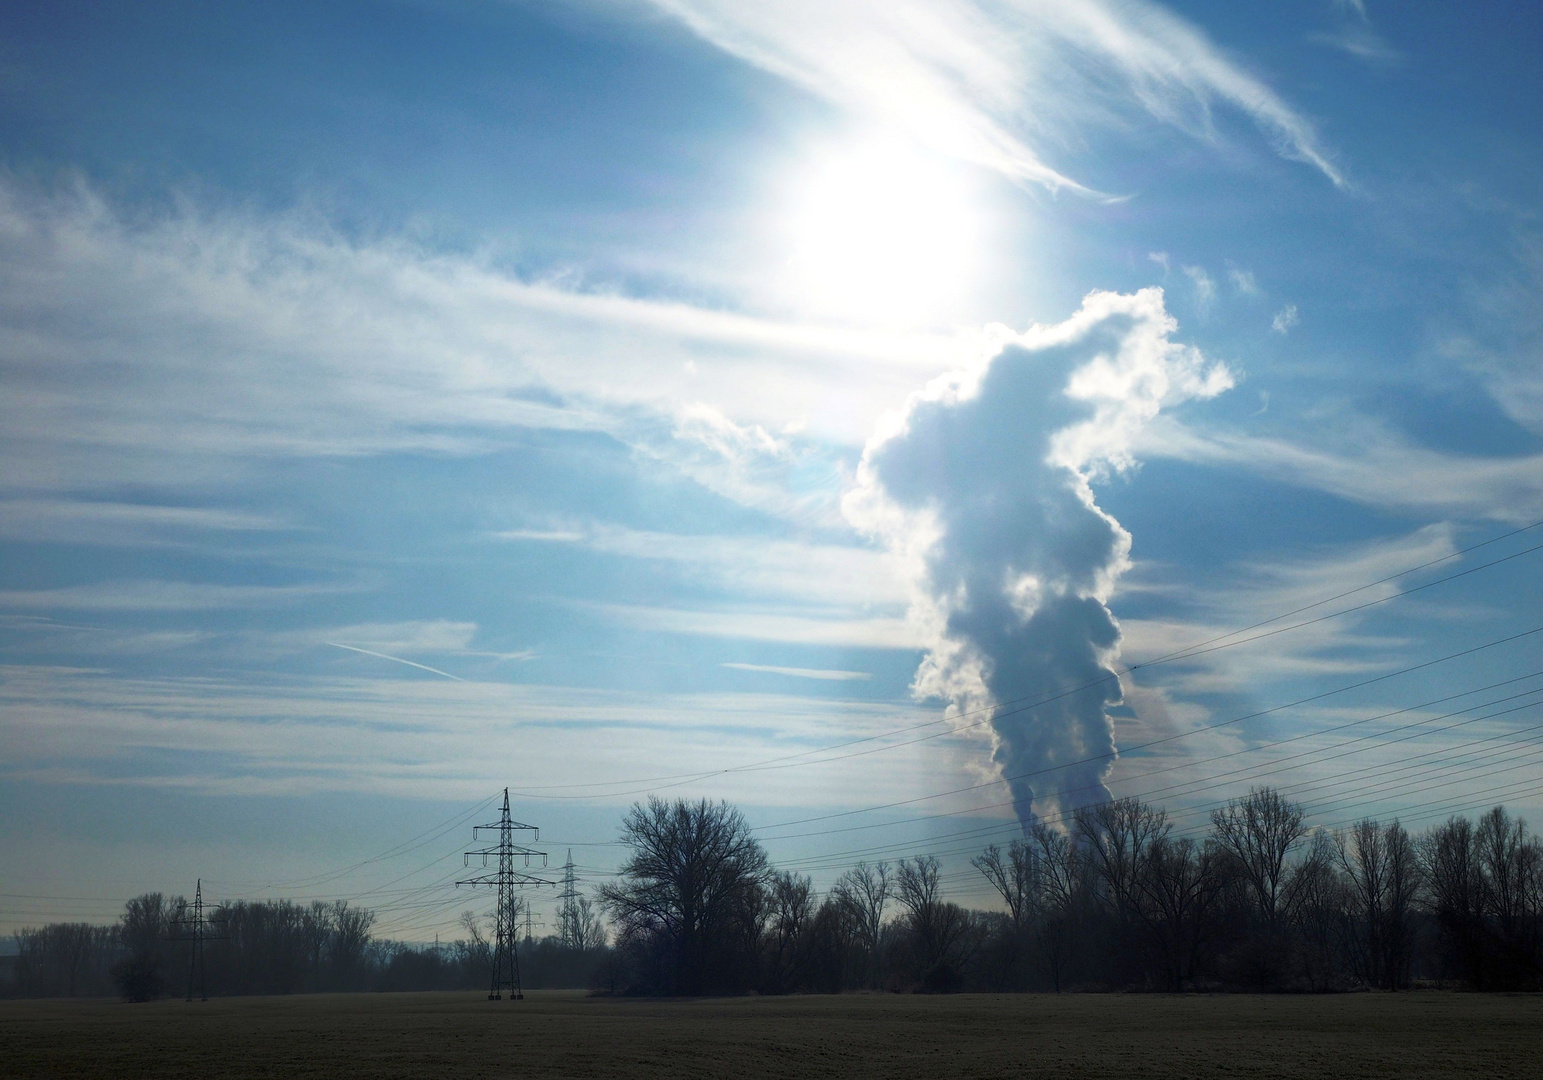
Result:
<point x="983" y="485"/>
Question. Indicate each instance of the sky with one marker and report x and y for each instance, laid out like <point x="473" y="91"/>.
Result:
<point x="906" y="420"/>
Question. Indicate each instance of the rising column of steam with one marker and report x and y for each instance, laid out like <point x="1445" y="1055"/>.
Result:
<point x="982" y="485"/>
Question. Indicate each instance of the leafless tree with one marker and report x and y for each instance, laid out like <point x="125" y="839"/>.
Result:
<point x="863" y="892"/>
<point x="1014" y="878"/>
<point x="791" y="898"/>
<point x="349" y="939"/>
<point x="1321" y="897"/>
<point x="1384" y="876"/>
<point x="691" y="885"/>
<point x="1510" y="863"/>
<point x="1117" y="838"/>
<point x="937" y="926"/>
<point x="1454" y="886"/>
<point x="1058" y="886"/>
<point x="1259" y="833"/>
<point x="1178" y="883"/>
<point x="588" y="930"/>
<point x="1500" y="842"/>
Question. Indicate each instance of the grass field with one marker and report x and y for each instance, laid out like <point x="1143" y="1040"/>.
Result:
<point x="561" y="1035"/>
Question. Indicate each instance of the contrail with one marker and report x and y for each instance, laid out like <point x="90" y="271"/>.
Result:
<point x="397" y="659"/>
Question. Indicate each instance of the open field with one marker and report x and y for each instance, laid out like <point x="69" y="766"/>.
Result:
<point x="555" y="1034"/>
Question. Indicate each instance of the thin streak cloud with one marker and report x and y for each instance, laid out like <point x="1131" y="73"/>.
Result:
<point x="803" y="673"/>
<point x="394" y="659"/>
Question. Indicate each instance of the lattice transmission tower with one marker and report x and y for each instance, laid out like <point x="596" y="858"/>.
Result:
<point x="196" y="930"/>
<point x="531" y="924"/>
<point x="568" y="928"/>
<point x="506" y="959"/>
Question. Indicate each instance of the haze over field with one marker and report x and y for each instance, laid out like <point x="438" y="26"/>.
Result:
<point x="909" y="421"/>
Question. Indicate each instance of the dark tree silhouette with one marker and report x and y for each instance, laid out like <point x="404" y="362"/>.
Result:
<point x="689" y="898"/>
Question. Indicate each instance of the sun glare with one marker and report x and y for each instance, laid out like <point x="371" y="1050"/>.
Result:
<point x="881" y="233"/>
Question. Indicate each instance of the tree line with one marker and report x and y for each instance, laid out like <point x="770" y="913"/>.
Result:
<point x="272" y="947"/>
<point x="1115" y="900"/>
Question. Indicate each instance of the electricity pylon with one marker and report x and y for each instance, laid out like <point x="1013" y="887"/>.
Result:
<point x="568" y="912"/>
<point x="506" y="960"/>
<point x="531" y="922"/>
<point x="197" y="932"/>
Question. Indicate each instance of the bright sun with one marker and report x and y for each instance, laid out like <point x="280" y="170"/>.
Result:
<point x="881" y="233"/>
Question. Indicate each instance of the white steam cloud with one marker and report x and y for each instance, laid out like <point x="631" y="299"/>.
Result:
<point x="983" y="486"/>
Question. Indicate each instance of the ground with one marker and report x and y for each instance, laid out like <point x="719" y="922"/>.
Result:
<point x="556" y="1034"/>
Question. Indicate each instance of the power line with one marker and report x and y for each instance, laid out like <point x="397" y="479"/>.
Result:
<point x="929" y="844"/>
<point x="1168" y="738"/>
<point x="1218" y="757"/>
<point x="995" y="711"/>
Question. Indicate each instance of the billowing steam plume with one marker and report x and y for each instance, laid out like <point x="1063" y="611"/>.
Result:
<point x="982" y="484"/>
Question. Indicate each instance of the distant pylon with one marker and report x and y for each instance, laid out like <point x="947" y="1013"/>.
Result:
<point x="197" y="932"/>
<point x="531" y="922"/>
<point x="506" y="960"/>
<point x="568" y="928"/>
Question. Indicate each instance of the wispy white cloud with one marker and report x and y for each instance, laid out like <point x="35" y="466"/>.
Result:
<point x="105" y="522"/>
<point x="1353" y="34"/>
<point x="803" y="672"/>
<point x="419" y="635"/>
<point x="758" y="624"/>
<point x="1365" y="463"/>
<point x="162" y="596"/>
<point x="1361" y="42"/>
<point x="440" y="739"/>
<point x="1243" y="281"/>
<point x="190" y="343"/>
<point x="1503" y="343"/>
<point x="1205" y="288"/>
<point x="1246" y="593"/>
<point x="542" y="536"/>
<point x="1285" y="319"/>
<point x="993" y="83"/>
<point x="822" y="575"/>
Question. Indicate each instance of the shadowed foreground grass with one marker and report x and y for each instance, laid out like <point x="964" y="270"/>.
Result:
<point x="565" y="1035"/>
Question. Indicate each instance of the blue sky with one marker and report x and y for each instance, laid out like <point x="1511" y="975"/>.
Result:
<point x="602" y="361"/>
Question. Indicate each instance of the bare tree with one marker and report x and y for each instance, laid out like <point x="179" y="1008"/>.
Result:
<point x="1321" y="897"/>
<point x="1403" y="888"/>
<point x="349" y="939"/>
<point x="937" y="927"/>
<point x="1058" y="885"/>
<point x="1117" y="837"/>
<point x="1454" y="885"/>
<point x="792" y="910"/>
<point x="689" y="889"/>
<point x="145" y="929"/>
<point x="78" y="947"/>
<point x="588" y="931"/>
<point x="1384" y="875"/>
<point x="1178" y="882"/>
<point x="1500" y="842"/>
<point x="1510" y="863"/>
<point x="477" y="941"/>
<point x="1014" y="879"/>
<point x="863" y="892"/>
<point x="1259" y="833"/>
